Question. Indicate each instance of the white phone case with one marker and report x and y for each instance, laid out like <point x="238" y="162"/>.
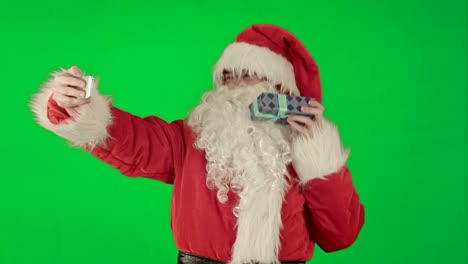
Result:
<point x="89" y="85"/>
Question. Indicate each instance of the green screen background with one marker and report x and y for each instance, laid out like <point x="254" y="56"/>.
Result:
<point x="394" y="79"/>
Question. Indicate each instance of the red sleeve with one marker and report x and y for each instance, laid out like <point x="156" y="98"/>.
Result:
<point x="335" y="212"/>
<point x="138" y="147"/>
<point x="56" y="114"/>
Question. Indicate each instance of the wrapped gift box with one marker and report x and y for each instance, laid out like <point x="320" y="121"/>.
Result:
<point x="277" y="107"/>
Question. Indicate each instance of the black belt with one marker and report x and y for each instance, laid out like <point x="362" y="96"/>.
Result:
<point x="185" y="258"/>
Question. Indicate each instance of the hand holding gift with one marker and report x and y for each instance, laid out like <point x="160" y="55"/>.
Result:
<point x="299" y="111"/>
<point x="314" y="108"/>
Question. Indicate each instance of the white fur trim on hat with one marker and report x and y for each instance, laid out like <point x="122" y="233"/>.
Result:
<point x="320" y="153"/>
<point x="91" y="120"/>
<point x="266" y="63"/>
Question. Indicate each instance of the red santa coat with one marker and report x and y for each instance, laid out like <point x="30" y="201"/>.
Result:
<point x="323" y="209"/>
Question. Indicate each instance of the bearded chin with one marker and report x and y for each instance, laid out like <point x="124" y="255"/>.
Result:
<point x="240" y="152"/>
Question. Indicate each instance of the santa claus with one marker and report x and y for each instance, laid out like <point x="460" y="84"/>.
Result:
<point x="244" y="191"/>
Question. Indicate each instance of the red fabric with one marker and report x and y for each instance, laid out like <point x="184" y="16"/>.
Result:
<point x="287" y="45"/>
<point x="335" y="213"/>
<point x="56" y="114"/>
<point x="327" y="212"/>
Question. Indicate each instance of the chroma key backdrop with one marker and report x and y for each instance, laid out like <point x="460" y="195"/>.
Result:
<point x="394" y="76"/>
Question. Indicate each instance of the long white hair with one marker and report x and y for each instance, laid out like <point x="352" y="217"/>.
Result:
<point x="241" y="153"/>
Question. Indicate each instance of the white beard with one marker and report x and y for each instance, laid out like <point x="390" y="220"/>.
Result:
<point x="250" y="158"/>
<point x="234" y="144"/>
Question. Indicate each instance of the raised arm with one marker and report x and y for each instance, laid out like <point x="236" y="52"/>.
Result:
<point x="335" y="212"/>
<point x="137" y="147"/>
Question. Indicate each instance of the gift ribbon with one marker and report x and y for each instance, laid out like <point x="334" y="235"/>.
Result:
<point x="283" y="107"/>
<point x="260" y="114"/>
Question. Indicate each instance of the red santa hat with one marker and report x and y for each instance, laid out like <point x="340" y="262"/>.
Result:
<point x="276" y="54"/>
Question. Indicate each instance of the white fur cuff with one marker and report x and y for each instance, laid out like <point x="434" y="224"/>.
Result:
<point x="91" y="120"/>
<point x="319" y="154"/>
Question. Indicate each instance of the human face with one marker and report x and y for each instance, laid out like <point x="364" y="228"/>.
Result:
<point x="232" y="81"/>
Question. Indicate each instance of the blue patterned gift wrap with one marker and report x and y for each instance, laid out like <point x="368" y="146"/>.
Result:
<point x="277" y="107"/>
